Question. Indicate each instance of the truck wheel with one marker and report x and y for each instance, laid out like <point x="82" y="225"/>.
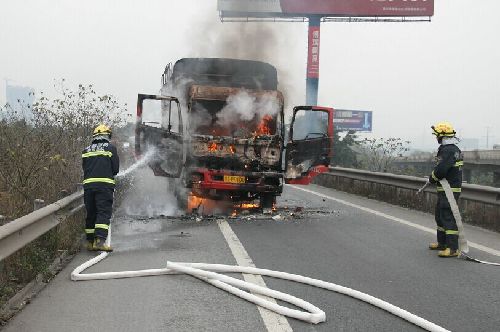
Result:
<point x="267" y="201"/>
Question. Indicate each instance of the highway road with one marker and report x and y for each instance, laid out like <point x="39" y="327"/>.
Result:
<point x="363" y="244"/>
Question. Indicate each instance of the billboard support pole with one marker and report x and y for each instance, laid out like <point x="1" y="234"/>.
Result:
<point x="326" y="11"/>
<point x="312" y="75"/>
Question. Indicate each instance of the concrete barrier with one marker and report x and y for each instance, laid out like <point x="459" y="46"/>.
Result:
<point x="479" y="205"/>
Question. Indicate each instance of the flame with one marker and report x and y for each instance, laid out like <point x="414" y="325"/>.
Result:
<point x="212" y="147"/>
<point x="248" y="206"/>
<point x="232" y="148"/>
<point x="264" y="127"/>
<point x="207" y="206"/>
<point x="194" y="202"/>
<point x="234" y="214"/>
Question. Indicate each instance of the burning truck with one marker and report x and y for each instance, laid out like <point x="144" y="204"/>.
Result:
<point x="218" y="132"/>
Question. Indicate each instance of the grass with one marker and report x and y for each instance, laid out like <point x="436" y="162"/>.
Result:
<point x="17" y="270"/>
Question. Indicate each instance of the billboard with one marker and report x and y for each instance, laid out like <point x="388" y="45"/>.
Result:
<point x="328" y="8"/>
<point x="353" y="120"/>
<point x="313" y="53"/>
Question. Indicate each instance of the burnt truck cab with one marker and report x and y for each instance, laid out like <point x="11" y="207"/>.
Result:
<point x="236" y="139"/>
<point x="232" y="144"/>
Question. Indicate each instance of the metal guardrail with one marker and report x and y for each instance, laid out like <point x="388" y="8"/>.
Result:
<point x="482" y="155"/>
<point x="483" y="194"/>
<point x="19" y="232"/>
<point x="477" y="156"/>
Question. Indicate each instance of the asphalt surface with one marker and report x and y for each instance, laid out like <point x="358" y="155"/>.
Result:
<point x="327" y="240"/>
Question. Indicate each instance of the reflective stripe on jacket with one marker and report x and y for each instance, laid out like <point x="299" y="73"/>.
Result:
<point x="448" y="166"/>
<point x="100" y="164"/>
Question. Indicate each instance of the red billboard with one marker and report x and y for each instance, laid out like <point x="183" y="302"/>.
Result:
<point x="330" y="8"/>
<point x="313" y="53"/>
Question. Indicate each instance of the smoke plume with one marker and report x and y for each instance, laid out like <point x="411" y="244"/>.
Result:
<point x="283" y="45"/>
<point x="246" y="107"/>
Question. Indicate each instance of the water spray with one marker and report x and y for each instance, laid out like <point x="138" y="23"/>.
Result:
<point x="148" y="195"/>
<point x="139" y="163"/>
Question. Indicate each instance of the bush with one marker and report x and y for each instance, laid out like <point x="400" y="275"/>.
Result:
<point x="41" y="153"/>
<point x="378" y="154"/>
<point x="343" y="150"/>
<point x="41" y="148"/>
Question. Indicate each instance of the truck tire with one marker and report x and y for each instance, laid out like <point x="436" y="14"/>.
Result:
<point x="267" y="201"/>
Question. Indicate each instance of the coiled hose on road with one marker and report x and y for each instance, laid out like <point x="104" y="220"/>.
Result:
<point x="207" y="273"/>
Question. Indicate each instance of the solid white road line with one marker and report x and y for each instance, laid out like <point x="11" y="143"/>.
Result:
<point x="395" y="219"/>
<point x="273" y="322"/>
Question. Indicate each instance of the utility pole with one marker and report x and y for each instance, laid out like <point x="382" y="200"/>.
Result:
<point x="488" y="136"/>
<point x="2" y="95"/>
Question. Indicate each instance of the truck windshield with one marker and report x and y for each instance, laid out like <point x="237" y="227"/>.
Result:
<point x="310" y="125"/>
<point x="212" y="117"/>
<point x="161" y="114"/>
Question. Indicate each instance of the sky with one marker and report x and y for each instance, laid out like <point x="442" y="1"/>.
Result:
<point x="411" y="75"/>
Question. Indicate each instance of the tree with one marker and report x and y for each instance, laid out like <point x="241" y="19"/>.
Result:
<point x="378" y="154"/>
<point x="343" y="153"/>
<point x="41" y="155"/>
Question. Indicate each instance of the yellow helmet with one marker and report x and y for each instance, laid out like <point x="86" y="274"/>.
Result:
<point x="443" y="129"/>
<point x="102" y="129"/>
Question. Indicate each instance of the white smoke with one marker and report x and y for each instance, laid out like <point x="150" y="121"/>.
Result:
<point x="177" y="90"/>
<point x="199" y="117"/>
<point x="283" y="45"/>
<point x="246" y="107"/>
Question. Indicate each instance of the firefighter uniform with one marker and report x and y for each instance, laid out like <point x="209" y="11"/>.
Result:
<point x="100" y="164"/>
<point x="449" y="162"/>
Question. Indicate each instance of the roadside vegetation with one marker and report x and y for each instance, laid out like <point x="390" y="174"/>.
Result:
<point x="379" y="154"/>
<point x="41" y="146"/>
<point x="389" y="155"/>
<point x="344" y="150"/>
<point x="372" y="154"/>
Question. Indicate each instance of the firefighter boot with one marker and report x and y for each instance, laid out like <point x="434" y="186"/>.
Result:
<point x="100" y="245"/>
<point x="437" y="246"/>
<point x="449" y="253"/>
<point x="90" y="245"/>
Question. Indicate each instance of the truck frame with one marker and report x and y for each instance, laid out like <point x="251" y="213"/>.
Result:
<point x="233" y="147"/>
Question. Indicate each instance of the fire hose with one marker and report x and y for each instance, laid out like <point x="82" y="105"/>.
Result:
<point x="208" y="273"/>
<point x="462" y="241"/>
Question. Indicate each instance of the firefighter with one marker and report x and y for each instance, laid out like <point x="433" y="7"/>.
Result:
<point x="449" y="162"/>
<point x="100" y="164"/>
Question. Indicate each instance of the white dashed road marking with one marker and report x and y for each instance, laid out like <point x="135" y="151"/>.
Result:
<point x="273" y="321"/>
<point x="395" y="219"/>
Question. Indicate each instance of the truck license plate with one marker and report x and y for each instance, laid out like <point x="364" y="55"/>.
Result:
<point x="234" y="179"/>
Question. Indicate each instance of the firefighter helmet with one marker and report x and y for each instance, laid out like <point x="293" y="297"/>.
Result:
<point x="102" y="129"/>
<point x="443" y="129"/>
